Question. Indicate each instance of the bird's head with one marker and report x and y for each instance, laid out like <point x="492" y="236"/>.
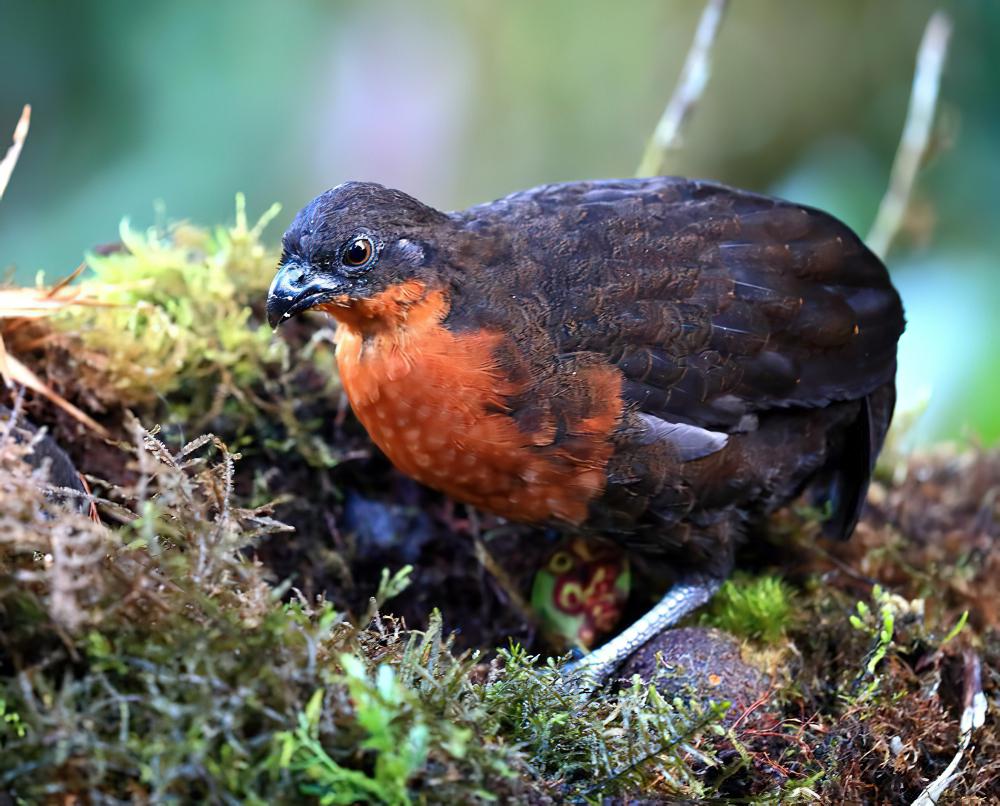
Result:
<point x="353" y="250"/>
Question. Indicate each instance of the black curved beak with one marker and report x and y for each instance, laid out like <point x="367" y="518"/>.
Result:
<point x="298" y="288"/>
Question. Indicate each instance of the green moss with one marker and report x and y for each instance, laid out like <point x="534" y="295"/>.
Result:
<point x="175" y="312"/>
<point x="151" y="657"/>
<point x="156" y="661"/>
<point x="174" y="330"/>
<point x="600" y="745"/>
<point x="879" y="626"/>
<point x="756" y="608"/>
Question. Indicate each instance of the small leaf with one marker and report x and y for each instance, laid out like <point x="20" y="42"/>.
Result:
<point x="314" y="708"/>
<point x="954" y="631"/>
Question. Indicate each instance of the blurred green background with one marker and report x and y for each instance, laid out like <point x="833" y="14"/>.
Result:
<point x="140" y="108"/>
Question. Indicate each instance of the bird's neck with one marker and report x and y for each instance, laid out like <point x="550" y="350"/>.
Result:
<point x="400" y="312"/>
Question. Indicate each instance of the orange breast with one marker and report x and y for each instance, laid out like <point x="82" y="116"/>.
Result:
<point x="434" y="402"/>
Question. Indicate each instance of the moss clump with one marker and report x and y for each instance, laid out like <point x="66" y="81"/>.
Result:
<point x="173" y="330"/>
<point x="175" y="315"/>
<point x="155" y="661"/>
<point x="163" y="654"/>
<point x="755" y="608"/>
<point x="599" y="745"/>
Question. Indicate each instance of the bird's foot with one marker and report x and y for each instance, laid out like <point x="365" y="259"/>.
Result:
<point x="687" y="594"/>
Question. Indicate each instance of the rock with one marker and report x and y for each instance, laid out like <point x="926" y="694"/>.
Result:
<point x="700" y="662"/>
<point x="383" y="529"/>
<point x="45" y="453"/>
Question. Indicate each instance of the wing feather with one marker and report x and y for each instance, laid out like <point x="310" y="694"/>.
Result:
<point x="715" y="304"/>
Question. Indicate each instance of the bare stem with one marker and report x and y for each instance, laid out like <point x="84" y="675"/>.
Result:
<point x="10" y="158"/>
<point x="690" y="86"/>
<point x="916" y="133"/>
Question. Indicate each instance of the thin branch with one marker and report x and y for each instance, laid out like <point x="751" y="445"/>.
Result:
<point x="16" y="372"/>
<point x="690" y="86"/>
<point x="973" y="718"/>
<point x="507" y="585"/>
<point x="10" y="159"/>
<point x="916" y="135"/>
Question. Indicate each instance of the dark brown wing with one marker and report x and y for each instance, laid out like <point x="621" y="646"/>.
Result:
<point x="715" y="303"/>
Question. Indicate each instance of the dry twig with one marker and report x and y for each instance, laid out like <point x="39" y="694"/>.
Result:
<point x="916" y="133"/>
<point x="690" y="86"/>
<point x="10" y="158"/>
<point x="30" y="303"/>
<point x="973" y="718"/>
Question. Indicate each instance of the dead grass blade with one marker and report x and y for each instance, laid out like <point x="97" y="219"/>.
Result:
<point x="10" y="158"/>
<point x="14" y="371"/>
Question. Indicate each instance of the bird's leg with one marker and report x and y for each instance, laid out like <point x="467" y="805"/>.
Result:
<point x="687" y="594"/>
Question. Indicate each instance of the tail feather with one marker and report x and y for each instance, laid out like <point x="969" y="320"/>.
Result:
<point x="842" y="485"/>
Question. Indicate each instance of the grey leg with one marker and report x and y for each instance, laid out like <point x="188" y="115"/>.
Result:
<point x="689" y="593"/>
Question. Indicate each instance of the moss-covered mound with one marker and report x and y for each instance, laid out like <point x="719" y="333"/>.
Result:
<point x="209" y="622"/>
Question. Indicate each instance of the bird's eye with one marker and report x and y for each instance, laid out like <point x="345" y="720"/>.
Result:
<point x="358" y="252"/>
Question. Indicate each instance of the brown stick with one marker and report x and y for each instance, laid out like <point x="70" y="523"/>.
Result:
<point x="10" y="158"/>
<point x="916" y="134"/>
<point x="690" y="87"/>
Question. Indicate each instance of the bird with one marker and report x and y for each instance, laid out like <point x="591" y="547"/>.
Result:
<point x="662" y="362"/>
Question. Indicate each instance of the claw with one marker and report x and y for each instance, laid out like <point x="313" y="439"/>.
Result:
<point x="688" y="594"/>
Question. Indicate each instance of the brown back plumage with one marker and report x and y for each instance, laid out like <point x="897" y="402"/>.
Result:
<point x="707" y="353"/>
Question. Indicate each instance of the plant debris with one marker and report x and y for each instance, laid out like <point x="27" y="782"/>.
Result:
<point x="222" y="632"/>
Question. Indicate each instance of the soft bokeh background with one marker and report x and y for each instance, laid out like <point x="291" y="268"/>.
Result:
<point x="141" y="108"/>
